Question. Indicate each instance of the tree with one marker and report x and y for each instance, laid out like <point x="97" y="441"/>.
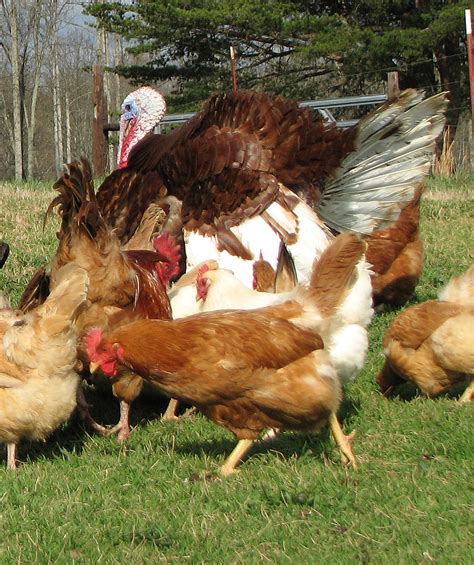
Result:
<point x="29" y="31"/>
<point x="302" y="49"/>
<point x="12" y="52"/>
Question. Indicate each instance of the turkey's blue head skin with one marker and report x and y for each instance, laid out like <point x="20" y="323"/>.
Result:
<point x="130" y="109"/>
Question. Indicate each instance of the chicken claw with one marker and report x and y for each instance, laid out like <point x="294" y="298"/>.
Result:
<point x="85" y="415"/>
<point x="344" y="442"/>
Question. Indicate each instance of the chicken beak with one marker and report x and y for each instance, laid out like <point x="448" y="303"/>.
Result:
<point x="93" y="366"/>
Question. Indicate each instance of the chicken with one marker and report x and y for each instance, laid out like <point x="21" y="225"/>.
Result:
<point x="396" y="256"/>
<point x="431" y="344"/>
<point x="244" y="165"/>
<point x="38" y="383"/>
<point x="247" y="370"/>
<point x="125" y="285"/>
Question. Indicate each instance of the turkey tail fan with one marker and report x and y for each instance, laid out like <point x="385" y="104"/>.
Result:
<point x="393" y="155"/>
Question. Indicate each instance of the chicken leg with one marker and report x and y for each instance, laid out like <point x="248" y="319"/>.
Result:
<point x="343" y="442"/>
<point x="11" y="456"/>
<point x="468" y="395"/>
<point x="123" y="425"/>
<point x="239" y="452"/>
<point x="85" y="415"/>
<point x="170" y="413"/>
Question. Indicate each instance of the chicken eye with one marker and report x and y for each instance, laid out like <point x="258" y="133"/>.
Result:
<point x="19" y="323"/>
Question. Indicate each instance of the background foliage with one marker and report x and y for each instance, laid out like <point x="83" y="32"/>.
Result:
<point x="302" y="49"/>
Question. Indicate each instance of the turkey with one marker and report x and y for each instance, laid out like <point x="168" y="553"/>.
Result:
<point x="256" y="174"/>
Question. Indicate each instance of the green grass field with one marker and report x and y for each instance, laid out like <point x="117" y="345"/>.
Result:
<point x="79" y="498"/>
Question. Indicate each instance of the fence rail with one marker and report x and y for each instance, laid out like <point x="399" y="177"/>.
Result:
<point x="322" y="105"/>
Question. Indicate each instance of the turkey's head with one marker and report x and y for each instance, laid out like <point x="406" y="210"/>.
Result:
<point x="142" y="110"/>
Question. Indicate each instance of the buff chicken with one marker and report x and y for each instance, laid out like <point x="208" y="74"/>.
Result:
<point x="247" y="370"/>
<point x="431" y="344"/>
<point x="38" y="353"/>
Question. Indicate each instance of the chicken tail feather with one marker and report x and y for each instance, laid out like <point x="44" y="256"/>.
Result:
<point x="335" y="273"/>
<point x="69" y="294"/>
<point x="460" y="289"/>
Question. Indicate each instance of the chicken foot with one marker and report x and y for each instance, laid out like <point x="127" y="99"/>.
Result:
<point x="85" y="415"/>
<point x="344" y="442"/>
<point x="123" y="425"/>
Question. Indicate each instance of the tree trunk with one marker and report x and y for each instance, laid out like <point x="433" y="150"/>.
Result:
<point x="32" y="127"/>
<point x="68" y="129"/>
<point x="57" y="115"/>
<point x="15" y="61"/>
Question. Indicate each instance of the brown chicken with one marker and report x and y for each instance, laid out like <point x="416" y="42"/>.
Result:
<point x="396" y="256"/>
<point x="246" y="370"/>
<point x="38" y="383"/>
<point x="125" y="285"/>
<point x="431" y="344"/>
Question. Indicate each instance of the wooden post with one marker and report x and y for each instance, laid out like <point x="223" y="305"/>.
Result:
<point x="470" y="57"/>
<point x="99" y="146"/>
<point x="234" y="71"/>
<point x="393" y="86"/>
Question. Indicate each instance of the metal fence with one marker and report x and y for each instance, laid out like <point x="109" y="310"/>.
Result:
<point x="323" y="106"/>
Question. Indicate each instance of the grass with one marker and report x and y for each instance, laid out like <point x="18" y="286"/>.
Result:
<point x="79" y="498"/>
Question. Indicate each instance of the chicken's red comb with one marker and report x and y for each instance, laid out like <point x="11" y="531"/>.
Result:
<point x="201" y="283"/>
<point x="203" y="269"/>
<point x="167" y="245"/>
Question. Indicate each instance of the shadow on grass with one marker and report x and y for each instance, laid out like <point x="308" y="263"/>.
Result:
<point x="407" y="392"/>
<point x="71" y="438"/>
<point x="288" y="444"/>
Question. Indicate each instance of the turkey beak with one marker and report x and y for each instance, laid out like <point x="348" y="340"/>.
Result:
<point x="93" y="366"/>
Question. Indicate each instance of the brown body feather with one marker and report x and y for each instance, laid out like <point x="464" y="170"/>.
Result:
<point x="124" y="285"/>
<point x="225" y="162"/>
<point x="191" y="359"/>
